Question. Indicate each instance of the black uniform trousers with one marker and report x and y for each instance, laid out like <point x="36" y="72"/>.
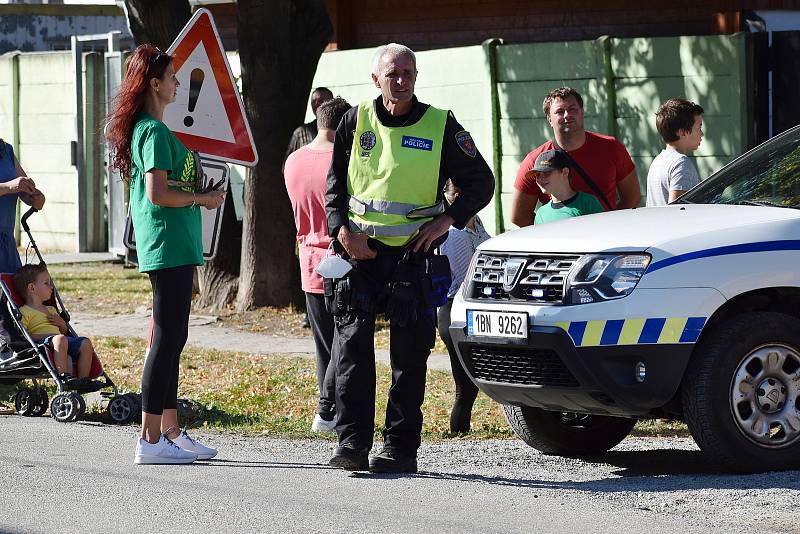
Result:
<point x="354" y="353"/>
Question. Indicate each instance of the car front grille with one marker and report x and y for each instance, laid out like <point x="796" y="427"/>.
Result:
<point x="519" y="278"/>
<point x="517" y="365"/>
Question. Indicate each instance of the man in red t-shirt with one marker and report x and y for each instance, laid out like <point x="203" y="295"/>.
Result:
<point x="306" y="173"/>
<point x="602" y="157"/>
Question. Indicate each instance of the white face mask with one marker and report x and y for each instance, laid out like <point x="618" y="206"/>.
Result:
<point x="333" y="267"/>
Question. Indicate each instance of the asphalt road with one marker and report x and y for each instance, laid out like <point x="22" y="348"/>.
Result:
<point x="80" y="477"/>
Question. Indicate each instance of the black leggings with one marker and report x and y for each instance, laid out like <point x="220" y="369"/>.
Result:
<point x="172" y="300"/>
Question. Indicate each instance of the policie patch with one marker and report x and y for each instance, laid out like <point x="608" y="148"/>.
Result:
<point x="367" y="140"/>
<point x="466" y="144"/>
<point x="419" y="143"/>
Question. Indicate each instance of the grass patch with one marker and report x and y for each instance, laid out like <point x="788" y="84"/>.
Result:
<point x="101" y="288"/>
<point x="260" y="394"/>
<point x="277" y="396"/>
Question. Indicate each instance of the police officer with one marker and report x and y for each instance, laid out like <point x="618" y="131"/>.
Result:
<point x="391" y="158"/>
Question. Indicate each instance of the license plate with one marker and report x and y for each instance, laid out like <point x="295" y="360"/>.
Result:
<point x="497" y="324"/>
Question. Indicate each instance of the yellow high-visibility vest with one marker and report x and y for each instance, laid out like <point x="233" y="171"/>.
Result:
<point x="393" y="176"/>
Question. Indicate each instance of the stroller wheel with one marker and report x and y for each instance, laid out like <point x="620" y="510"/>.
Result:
<point x="41" y="401"/>
<point x="67" y="407"/>
<point x="81" y="406"/>
<point x="121" y="409"/>
<point x="136" y="404"/>
<point x="25" y="401"/>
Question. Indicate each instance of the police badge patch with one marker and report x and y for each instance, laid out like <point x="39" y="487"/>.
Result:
<point x="466" y="144"/>
<point x="367" y="140"/>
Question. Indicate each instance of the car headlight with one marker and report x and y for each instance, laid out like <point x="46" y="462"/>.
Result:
<point x="599" y="277"/>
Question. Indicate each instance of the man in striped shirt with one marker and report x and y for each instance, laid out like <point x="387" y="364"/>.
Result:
<point x="305" y="133"/>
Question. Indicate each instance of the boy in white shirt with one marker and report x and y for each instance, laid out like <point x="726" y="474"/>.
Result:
<point x="672" y="173"/>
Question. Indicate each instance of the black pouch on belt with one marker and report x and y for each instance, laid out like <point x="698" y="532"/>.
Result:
<point x="404" y="298"/>
<point x="436" y="280"/>
<point x="338" y="302"/>
<point x="329" y="288"/>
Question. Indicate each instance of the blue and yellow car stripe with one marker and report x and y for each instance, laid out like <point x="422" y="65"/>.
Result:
<point x="636" y="331"/>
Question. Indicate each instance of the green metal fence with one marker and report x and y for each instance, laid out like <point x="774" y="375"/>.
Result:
<point x="496" y="91"/>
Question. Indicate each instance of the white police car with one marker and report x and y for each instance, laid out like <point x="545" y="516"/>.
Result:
<point x="690" y="311"/>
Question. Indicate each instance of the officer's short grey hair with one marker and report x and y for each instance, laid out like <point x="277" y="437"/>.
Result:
<point x="393" y="50"/>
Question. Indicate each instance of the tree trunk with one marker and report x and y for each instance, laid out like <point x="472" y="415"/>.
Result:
<point x="157" y="22"/>
<point x="280" y="43"/>
<point x="219" y="278"/>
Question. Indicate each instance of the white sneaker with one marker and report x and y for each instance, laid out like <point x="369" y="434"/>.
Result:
<point x="321" y="425"/>
<point x="185" y="441"/>
<point x="162" y="452"/>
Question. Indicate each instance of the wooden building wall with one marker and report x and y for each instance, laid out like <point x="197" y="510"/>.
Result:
<point x="431" y="24"/>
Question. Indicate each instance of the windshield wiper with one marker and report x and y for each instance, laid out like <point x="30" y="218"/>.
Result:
<point x="760" y="203"/>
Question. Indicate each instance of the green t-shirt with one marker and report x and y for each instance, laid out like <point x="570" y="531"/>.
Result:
<point x="580" y="204"/>
<point x="165" y="237"/>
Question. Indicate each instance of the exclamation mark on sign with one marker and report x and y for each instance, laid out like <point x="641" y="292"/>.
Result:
<point x="195" y="83"/>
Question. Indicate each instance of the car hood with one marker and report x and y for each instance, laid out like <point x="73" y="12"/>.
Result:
<point x="673" y="229"/>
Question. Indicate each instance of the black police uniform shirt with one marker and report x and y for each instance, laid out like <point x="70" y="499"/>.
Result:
<point x="461" y="162"/>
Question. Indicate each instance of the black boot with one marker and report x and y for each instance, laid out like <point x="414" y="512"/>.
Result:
<point x="393" y="461"/>
<point x="350" y="458"/>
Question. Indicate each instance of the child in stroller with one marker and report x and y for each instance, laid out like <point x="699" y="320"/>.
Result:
<point x="44" y="324"/>
<point x="24" y="358"/>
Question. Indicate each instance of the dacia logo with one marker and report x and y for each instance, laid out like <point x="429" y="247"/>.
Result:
<point x="511" y="273"/>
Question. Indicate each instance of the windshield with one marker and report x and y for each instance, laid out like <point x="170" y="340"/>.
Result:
<point x="769" y="175"/>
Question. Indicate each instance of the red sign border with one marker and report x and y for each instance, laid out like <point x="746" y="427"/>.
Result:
<point x="201" y="28"/>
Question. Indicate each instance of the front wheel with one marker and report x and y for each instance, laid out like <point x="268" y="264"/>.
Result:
<point x="741" y="393"/>
<point x="567" y="434"/>
<point x="67" y="407"/>
<point x="122" y="409"/>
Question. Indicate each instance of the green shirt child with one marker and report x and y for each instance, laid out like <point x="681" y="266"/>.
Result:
<point x="165" y="237"/>
<point x="551" y="172"/>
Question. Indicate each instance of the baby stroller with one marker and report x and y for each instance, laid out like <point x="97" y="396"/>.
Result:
<point x="22" y="359"/>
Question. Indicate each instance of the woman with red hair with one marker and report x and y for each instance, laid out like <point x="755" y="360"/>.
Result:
<point x="164" y="207"/>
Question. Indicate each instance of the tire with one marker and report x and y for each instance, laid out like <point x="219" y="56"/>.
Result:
<point x="741" y="393"/>
<point x="25" y="401"/>
<point x="121" y="409"/>
<point x="567" y="434"/>
<point x="42" y="402"/>
<point x="136" y="402"/>
<point x="77" y="397"/>
<point x="66" y="407"/>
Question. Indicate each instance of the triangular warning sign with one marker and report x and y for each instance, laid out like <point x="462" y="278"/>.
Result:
<point x="208" y="115"/>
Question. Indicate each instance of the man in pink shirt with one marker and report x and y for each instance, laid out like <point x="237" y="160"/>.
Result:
<point x="306" y="172"/>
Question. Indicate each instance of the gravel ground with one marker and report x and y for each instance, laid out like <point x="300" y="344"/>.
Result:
<point x="268" y="484"/>
<point x="660" y="475"/>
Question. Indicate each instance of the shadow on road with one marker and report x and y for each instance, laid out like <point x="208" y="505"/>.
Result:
<point x="657" y="462"/>
<point x="661" y="470"/>
<point x="270" y="465"/>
